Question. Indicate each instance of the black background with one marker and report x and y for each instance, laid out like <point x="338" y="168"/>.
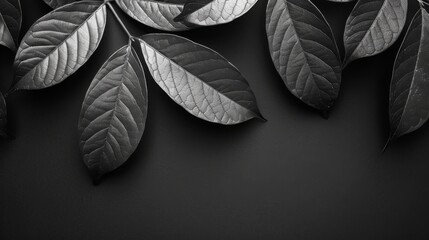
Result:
<point x="298" y="176"/>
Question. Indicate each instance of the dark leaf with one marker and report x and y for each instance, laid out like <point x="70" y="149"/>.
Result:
<point x="114" y="113"/>
<point x="304" y="52"/>
<point x="10" y="23"/>
<point x="372" y="27"/>
<point x="199" y="79"/>
<point x="409" y="90"/>
<point x="58" y="44"/>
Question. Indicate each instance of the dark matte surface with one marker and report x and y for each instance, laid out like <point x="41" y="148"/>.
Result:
<point x="298" y="176"/>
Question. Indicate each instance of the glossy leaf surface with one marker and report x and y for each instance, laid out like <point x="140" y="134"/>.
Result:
<point x="409" y="91"/>
<point x="114" y="113"/>
<point x="58" y="44"/>
<point x="200" y="80"/>
<point x="373" y="26"/>
<point x="304" y="52"/>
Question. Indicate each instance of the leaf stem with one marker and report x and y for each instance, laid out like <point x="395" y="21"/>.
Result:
<point x="120" y="21"/>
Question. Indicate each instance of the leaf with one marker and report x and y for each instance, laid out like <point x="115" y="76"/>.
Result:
<point x="372" y="27"/>
<point x="3" y="117"/>
<point x="158" y="14"/>
<point x="200" y="80"/>
<point x="114" y="113"/>
<point x="10" y="23"/>
<point x="220" y="12"/>
<point x="409" y="90"/>
<point x="190" y="7"/>
<point x="304" y="52"/>
<point x="58" y="44"/>
<point x="58" y="3"/>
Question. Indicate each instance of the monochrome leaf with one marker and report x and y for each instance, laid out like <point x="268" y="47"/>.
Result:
<point x="3" y="117"/>
<point x="10" y="23"/>
<point x="58" y="3"/>
<point x="304" y="51"/>
<point x="158" y="14"/>
<point x="372" y="27"/>
<point x="200" y="80"/>
<point x="220" y="12"/>
<point x="58" y="44"/>
<point x="113" y="114"/>
<point x="409" y="90"/>
<point x="190" y="7"/>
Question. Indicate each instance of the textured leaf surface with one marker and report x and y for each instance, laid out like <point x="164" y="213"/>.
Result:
<point x="220" y="11"/>
<point x="199" y="79"/>
<point x="158" y="14"/>
<point x="373" y="26"/>
<point x="3" y="117"/>
<point x="58" y="44"/>
<point x="409" y="91"/>
<point x="114" y="113"/>
<point x="304" y="52"/>
<point x="58" y="3"/>
<point x="10" y="23"/>
<point x="190" y="7"/>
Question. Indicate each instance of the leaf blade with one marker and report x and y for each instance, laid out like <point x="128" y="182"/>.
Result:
<point x="58" y="3"/>
<point x="10" y="23"/>
<point x="304" y="51"/>
<point x="198" y="79"/>
<point x="3" y="117"/>
<point x="409" y="91"/>
<point x="58" y="44"/>
<point x="372" y="27"/>
<point x="113" y="114"/>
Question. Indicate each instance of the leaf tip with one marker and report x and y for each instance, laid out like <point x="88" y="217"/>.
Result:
<point x="325" y="113"/>
<point x="386" y="145"/>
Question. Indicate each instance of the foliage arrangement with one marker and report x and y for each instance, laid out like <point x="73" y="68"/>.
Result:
<point x="301" y="43"/>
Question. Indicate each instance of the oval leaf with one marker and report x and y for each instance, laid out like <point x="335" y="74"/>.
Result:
<point x="10" y="23"/>
<point x="114" y="113"/>
<point x="372" y="27"/>
<point x="158" y="14"/>
<point x="220" y="12"/>
<point x="58" y="3"/>
<point x="3" y="117"/>
<point x="304" y="52"/>
<point x="58" y="44"/>
<point x="199" y="79"/>
<point x="409" y="90"/>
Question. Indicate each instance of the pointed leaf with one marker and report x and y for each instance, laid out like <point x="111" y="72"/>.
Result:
<point x="58" y="3"/>
<point x="304" y="52"/>
<point x="409" y="90"/>
<point x="220" y="12"/>
<point x="3" y="117"/>
<point x="10" y="23"/>
<point x="190" y="7"/>
<point x="200" y="80"/>
<point x="158" y="14"/>
<point x="373" y="26"/>
<point x="58" y="44"/>
<point x="114" y="113"/>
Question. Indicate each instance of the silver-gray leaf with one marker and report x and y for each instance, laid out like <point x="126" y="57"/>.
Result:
<point x="409" y="90"/>
<point x="220" y="12"/>
<point x="58" y="3"/>
<point x="373" y="26"/>
<point x="304" y="51"/>
<point x="58" y="44"/>
<point x="10" y="23"/>
<point x="200" y="80"/>
<point x="190" y="7"/>
<point x="113" y="113"/>
<point x="158" y="14"/>
<point x="3" y="117"/>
